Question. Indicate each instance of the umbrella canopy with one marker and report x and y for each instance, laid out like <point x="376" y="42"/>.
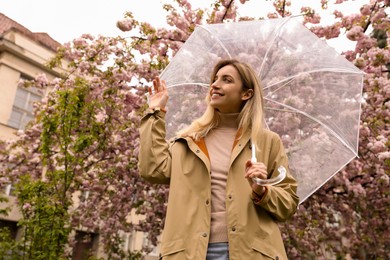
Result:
<point x="312" y="93"/>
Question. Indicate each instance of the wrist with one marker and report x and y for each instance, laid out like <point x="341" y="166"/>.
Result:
<point x="259" y="191"/>
<point x="257" y="198"/>
<point x="158" y="109"/>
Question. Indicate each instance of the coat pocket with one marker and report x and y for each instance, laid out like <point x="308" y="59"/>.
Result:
<point x="171" y="248"/>
<point x="266" y="250"/>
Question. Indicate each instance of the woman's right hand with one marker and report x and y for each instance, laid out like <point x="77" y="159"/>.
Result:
<point x="255" y="170"/>
<point x="158" y="94"/>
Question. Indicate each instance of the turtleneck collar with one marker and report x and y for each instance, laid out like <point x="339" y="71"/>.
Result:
<point x="228" y="120"/>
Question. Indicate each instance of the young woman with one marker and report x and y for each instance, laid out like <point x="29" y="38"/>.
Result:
<point x="215" y="209"/>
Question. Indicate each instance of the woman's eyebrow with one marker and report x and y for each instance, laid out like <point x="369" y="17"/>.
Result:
<point x="223" y="75"/>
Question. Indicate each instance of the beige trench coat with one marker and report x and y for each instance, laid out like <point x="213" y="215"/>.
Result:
<point x="253" y="232"/>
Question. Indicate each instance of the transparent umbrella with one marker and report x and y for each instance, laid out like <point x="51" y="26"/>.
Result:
<point x="312" y="93"/>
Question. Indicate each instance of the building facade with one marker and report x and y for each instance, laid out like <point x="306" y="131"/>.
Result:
<point x="23" y="55"/>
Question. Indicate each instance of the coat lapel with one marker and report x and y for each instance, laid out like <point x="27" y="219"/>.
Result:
<point x="239" y="145"/>
<point x="199" y="149"/>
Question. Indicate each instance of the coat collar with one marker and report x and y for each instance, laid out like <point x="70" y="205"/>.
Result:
<point x="200" y="149"/>
<point x="238" y="145"/>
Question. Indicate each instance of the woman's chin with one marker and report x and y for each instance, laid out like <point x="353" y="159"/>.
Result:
<point x="215" y="106"/>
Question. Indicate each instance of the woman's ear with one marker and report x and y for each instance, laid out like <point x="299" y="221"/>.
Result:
<point x="247" y="95"/>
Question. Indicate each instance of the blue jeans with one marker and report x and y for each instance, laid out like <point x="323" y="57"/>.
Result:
<point x="218" y="251"/>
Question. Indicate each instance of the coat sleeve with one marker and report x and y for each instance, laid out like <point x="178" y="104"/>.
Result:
<point x="154" y="158"/>
<point x="281" y="200"/>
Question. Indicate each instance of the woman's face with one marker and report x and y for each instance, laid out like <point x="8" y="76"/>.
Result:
<point x="226" y="92"/>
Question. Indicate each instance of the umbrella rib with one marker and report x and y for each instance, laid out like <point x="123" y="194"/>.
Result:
<point x="294" y="110"/>
<point x="217" y="40"/>
<point x="279" y="109"/>
<point x="269" y="47"/>
<point x="282" y="86"/>
<point x="288" y="79"/>
<point x="189" y="84"/>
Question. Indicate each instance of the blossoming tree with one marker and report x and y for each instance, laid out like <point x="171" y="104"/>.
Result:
<point x="75" y="165"/>
<point x="347" y="217"/>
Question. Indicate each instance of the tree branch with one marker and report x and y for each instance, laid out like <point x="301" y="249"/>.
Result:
<point x="369" y="18"/>
<point x="284" y="8"/>
<point x="227" y="9"/>
<point x="158" y="38"/>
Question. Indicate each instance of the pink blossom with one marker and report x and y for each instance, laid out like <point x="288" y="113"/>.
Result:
<point x="355" y="33"/>
<point x="376" y="147"/>
<point x="385" y="179"/>
<point x="329" y="32"/>
<point x="338" y="14"/>
<point x="225" y="3"/>
<point x="365" y="43"/>
<point x="378" y="56"/>
<point x="272" y="15"/>
<point x="365" y="10"/>
<point x="126" y="24"/>
<point x="379" y="16"/>
<point x="314" y="19"/>
<point x="351" y="20"/>
<point x="41" y="81"/>
<point x="20" y="132"/>
<point x="101" y="116"/>
<point x="384" y="155"/>
<point x="26" y="206"/>
<point x="79" y="42"/>
<point x="218" y="16"/>
<point x="324" y="4"/>
<point x="360" y="62"/>
<point x="22" y="83"/>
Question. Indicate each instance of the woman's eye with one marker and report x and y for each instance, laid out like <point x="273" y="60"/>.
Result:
<point x="224" y="79"/>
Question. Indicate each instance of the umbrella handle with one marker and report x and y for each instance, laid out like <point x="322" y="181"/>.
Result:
<point x="273" y="181"/>
<point x="268" y="182"/>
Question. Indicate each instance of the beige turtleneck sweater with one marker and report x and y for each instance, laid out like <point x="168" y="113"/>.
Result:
<point x="219" y="144"/>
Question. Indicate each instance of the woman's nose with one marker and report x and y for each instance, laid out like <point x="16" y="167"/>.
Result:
<point x="214" y="85"/>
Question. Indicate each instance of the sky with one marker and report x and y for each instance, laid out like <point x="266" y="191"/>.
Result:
<point x="65" y="20"/>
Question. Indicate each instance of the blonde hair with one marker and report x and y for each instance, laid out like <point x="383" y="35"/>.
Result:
<point x="251" y="114"/>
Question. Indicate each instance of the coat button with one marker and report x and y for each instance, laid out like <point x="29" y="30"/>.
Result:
<point x="204" y="234"/>
<point x="234" y="229"/>
<point x="197" y="151"/>
<point x="207" y="202"/>
<point x="230" y="197"/>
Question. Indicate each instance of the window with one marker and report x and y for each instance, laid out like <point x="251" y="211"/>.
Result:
<point x="86" y="245"/>
<point x="9" y="190"/>
<point x="22" y="111"/>
<point x="147" y="243"/>
<point x="11" y="226"/>
<point x="127" y="241"/>
<point x="84" y="195"/>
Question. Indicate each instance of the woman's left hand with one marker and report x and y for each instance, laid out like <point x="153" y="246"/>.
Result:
<point x="258" y="170"/>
